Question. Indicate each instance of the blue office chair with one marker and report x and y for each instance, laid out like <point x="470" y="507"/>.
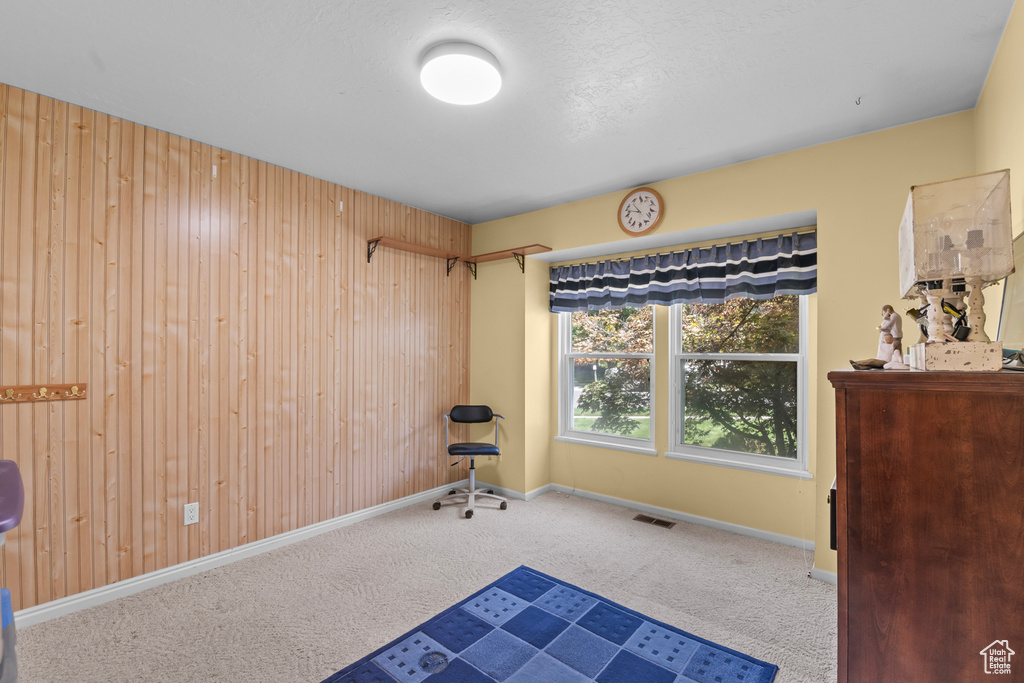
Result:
<point x="470" y="415"/>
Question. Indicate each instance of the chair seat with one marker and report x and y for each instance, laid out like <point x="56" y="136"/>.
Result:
<point x="473" y="448"/>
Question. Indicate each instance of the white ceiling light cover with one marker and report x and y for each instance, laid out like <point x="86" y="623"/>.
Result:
<point x="460" y="73"/>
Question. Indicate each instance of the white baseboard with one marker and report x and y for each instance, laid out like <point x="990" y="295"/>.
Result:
<point x="90" y="598"/>
<point x="782" y="539"/>
<point x="530" y="495"/>
<point x="97" y="596"/>
<point x="825" y="576"/>
<point x="512" y="493"/>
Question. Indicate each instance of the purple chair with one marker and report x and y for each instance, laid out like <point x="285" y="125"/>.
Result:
<point x="12" y="497"/>
<point x="12" y="504"/>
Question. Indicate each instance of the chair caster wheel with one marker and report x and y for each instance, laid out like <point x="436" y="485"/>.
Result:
<point x="491" y="491"/>
<point x="469" y="514"/>
<point x="503" y="506"/>
<point x="437" y="505"/>
<point x="452" y="492"/>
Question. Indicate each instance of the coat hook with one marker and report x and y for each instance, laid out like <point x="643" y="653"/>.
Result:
<point x="34" y="393"/>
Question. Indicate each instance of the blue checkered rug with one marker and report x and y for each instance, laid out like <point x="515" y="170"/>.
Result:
<point x="528" y="627"/>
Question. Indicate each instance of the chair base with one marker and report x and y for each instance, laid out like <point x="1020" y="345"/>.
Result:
<point x="469" y="495"/>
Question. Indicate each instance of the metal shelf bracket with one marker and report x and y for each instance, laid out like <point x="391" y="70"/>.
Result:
<point x="371" y="246"/>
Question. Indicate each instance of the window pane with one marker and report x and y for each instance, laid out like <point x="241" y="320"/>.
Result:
<point x="747" y="406"/>
<point x="612" y="396"/>
<point x="613" y="330"/>
<point x="743" y="326"/>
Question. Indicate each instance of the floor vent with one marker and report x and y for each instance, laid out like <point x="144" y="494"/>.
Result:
<point x="655" y="521"/>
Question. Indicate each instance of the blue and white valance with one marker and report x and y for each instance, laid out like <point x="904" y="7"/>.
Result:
<point x="757" y="269"/>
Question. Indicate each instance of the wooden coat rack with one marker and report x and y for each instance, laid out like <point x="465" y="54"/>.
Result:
<point x="41" y="393"/>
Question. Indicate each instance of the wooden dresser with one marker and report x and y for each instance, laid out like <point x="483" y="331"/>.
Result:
<point x="930" y="524"/>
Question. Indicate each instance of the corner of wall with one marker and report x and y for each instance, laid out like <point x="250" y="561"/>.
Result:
<point x="497" y="370"/>
<point x="540" y="327"/>
<point x="999" y="135"/>
<point x="510" y="369"/>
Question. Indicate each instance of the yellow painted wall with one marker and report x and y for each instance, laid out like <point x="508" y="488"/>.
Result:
<point x="999" y="135"/>
<point x="517" y="336"/>
<point x="497" y="354"/>
<point x="541" y="408"/>
<point x="999" y="132"/>
<point x="858" y="187"/>
<point x="999" y="117"/>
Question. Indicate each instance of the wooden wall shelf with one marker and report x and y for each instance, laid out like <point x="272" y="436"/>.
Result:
<point x="392" y="243"/>
<point x="518" y="253"/>
<point x="528" y="250"/>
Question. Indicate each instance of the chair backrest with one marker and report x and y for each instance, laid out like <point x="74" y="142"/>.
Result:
<point x="471" y="414"/>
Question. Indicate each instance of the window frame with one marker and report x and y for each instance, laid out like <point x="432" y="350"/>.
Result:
<point x="566" y="381"/>
<point x="770" y="464"/>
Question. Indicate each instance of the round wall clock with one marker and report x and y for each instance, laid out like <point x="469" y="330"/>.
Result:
<point x="640" y="211"/>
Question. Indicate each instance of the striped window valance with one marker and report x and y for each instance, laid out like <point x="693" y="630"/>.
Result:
<point x="757" y="269"/>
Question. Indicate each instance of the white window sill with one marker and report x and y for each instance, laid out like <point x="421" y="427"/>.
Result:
<point x="724" y="461"/>
<point x="642" y="450"/>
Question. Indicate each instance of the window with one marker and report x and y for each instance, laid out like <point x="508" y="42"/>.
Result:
<point x="605" y="390"/>
<point x="739" y="384"/>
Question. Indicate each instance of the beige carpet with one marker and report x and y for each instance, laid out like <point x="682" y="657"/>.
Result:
<point x="301" y="612"/>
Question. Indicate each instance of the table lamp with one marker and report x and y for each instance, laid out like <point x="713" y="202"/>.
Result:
<point x="956" y="231"/>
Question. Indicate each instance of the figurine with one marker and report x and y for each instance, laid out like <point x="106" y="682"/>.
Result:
<point x="890" y="344"/>
<point x="890" y="336"/>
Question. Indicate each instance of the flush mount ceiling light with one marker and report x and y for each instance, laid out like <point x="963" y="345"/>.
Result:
<point x="460" y="73"/>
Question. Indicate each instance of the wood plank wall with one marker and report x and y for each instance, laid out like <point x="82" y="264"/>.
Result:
<point x="239" y="350"/>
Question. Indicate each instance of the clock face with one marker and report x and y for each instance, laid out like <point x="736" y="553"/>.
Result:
<point x="640" y="212"/>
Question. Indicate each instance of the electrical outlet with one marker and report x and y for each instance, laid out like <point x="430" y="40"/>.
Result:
<point x="191" y="513"/>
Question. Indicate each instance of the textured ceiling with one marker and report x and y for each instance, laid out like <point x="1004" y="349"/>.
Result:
<point x="598" y="96"/>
